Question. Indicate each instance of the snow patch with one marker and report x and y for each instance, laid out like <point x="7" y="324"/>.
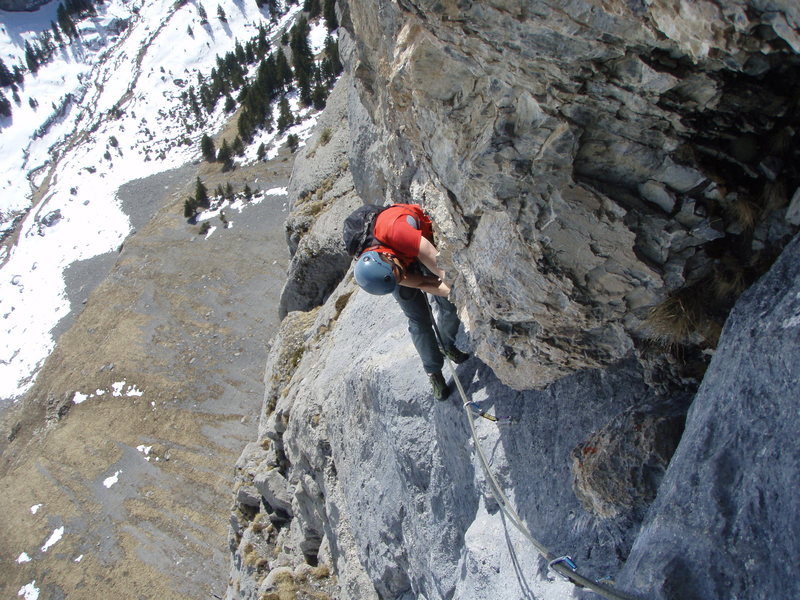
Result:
<point x="29" y="591"/>
<point x="54" y="538"/>
<point x="145" y="450"/>
<point x="75" y="94"/>
<point x="109" y="481"/>
<point x="317" y="33"/>
<point x="23" y="558"/>
<point x="278" y="191"/>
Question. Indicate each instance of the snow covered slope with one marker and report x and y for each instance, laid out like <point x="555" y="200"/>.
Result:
<point x="105" y="111"/>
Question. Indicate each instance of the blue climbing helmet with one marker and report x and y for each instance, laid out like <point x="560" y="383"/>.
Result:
<point x="375" y="275"/>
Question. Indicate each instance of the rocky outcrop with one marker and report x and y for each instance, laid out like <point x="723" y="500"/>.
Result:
<point x="728" y="503"/>
<point x="619" y="467"/>
<point x="21" y="5"/>
<point x="382" y="485"/>
<point x="584" y="162"/>
<point x="606" y="180"/>
<point x="322" y="195"/>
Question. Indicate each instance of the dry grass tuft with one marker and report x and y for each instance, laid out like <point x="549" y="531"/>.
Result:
<point x="691" y="315"/>
<point x="670" y="322"/>
<point x="744" y="212"/>
<point x="729" y="281"/>
<point x="326" y="136"/>
<point x="774" y="196"/>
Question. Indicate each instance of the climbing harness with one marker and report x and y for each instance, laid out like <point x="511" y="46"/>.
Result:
<point x="562" y="565"/>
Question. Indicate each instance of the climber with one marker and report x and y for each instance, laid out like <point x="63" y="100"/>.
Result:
<point x="395" y="253"/>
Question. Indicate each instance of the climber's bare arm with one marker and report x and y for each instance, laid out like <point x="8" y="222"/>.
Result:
<point x="426" y="283"/>
<point x="427" y="256"/>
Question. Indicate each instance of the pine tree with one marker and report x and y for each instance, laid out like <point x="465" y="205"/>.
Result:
<point x="304" y="86"/>
<point x="238" y="146"/>
<point x="228" y="191"/>
<point x="285" y="117"/>
<point x="262" y="47"/>
<point x="245" y="126"/>
<point x="302" y="57"/>
<point x="201" y="195"/>
<point x="208" y="99"/>
<point x="65" y="22"/>
<point x="292" y="142"/>
<point x="267" y="80"/>
<point x="248" y="193"/>
<point x="56" y="32"/>
<point x="5" y="106"/>
<point x="331" y="65"/>
<point x="207" y="148"/>
<point x="230" y="104"/>
<point x="201" y="11"/>
<point x="6" y="78"/>
<point x="30" y="58"/>
<point x="313" y="8"/>
<point x="221" y="14"/>
<point x="319" y="97"/>
<point x="190" y="208"/>
<point x="193" y="103"/>
<point x="261" y="152"/>
<point x="329" y="14"/>
<point x="225" y="156"/>
<point x="239" y="53"/>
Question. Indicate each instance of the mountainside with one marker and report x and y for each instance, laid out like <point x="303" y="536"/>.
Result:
<point x="608" y="182"/>
<point x="141" y="274"/>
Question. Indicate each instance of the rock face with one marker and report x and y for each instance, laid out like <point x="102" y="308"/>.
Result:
<point x="620" y="467"/>
<point x="606" y="179"/>
<point x="21" y="5"/>
<point x="583" y="161"/>
<point x="322" y="195"/>
<point x="728" y="502"/>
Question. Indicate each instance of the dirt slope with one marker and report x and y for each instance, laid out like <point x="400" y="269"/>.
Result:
<point x="184" y="320"/>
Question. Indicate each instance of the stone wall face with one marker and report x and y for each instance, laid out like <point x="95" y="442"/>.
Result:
<point x="21" y="5"/>
<point x="588" y="165"/>
<point x="732" y="477"/>
<point x="579" y="158"/>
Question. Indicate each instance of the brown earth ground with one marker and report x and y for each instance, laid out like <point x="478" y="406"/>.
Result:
<point x="186" y="320"/>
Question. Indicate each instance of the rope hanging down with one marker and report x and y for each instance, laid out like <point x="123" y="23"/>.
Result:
<point x="563" y="565"/>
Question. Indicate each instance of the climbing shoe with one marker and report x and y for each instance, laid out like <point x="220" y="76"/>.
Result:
<point x="456" y="355"/>
<point x="438" y="384"/>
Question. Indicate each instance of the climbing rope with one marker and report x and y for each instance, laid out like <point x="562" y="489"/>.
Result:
<point x="563" y="565"/>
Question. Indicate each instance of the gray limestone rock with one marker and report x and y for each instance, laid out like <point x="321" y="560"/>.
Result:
<point x="581" y="164"/>
<point x="724" y="524"/>
<point x="21" y="5"/>
<point x="273" y="487"/>
<point x="620" y="467"/>
<point x="552" y="143"/>
<point x="322" y="195"/>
